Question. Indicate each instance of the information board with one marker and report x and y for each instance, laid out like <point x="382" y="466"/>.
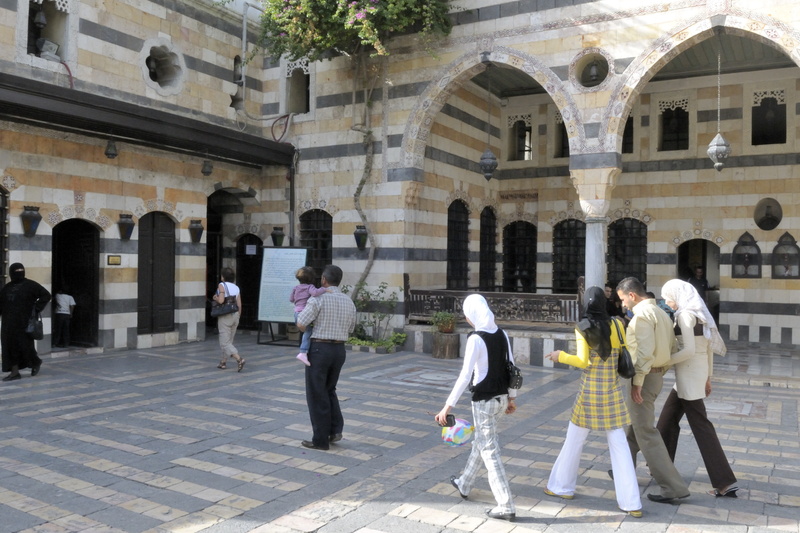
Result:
<point x="278" y="269"/>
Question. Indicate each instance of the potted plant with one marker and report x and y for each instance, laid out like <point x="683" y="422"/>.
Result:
<point x="444" y="321"/>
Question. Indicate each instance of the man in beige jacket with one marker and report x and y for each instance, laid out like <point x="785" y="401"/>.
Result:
<point x="650" y="338"/>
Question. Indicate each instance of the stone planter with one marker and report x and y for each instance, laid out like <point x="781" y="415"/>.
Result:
<point x="446" y="345"/>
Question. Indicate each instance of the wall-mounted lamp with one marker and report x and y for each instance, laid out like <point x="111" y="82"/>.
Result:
<point x="126" y="225"/>
<point x="30" y="220"/>
<point x="40" y="21"/>
<point x="111" y="149"/>
<point x="195" y="230"/>
<point x="360" y="235"/>
<point x="277" y="236"/>
<point x="207" y="168"/>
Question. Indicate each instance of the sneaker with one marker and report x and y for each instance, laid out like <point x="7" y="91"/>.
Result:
<point x="303" y="358"/>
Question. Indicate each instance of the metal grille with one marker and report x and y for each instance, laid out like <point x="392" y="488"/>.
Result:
<point x="627" y="250"/>
<point x="746" y="258"/>
<point x="488" y="254"/>
<point x="316" y="234"/>
<point x="519" y="257"/>
<point x="457" y="245"/>
<point x="674" y="130"/>
<point x="786" y="258"/>
<point x="569" y="251"/>
<point x="769" y="122"/>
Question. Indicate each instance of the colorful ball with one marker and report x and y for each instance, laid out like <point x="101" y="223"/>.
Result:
<point x="459" y="434"/>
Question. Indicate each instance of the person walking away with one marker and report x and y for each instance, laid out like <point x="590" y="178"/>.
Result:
<point x="650" y="339"/>
<point x="600" y="405"/>
<point x="699" y="338"/>
<point x="227" y="324"/>
<point x="299" y="297"/>
<point x="485" y="356"/>
<point x="65" y="305"/>
<point x="18" y="298"/>
<point x="334" y="317"/>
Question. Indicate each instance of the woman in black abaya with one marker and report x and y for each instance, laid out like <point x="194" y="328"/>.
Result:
<point x="17" y="301"/>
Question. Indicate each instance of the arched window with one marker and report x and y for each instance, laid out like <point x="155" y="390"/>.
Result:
<point x="519" y="257"/>
<point x="316" y="234"/>
<point x="786" y="258"/>
<point x="746" y="260"/>
<point x="156" y="274"/>
<point x="488" y="253"/>
<point x="627" y="250"/>
<point x="569" y="251"/>
<point x="457" y="245"/>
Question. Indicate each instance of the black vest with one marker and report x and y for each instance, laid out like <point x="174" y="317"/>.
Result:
<point x="496" y="381"/>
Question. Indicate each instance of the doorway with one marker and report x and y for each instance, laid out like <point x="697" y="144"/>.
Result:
<point x="76" y="269"/>
<point x="705" y="254"/>
<point x="249" y="255"/>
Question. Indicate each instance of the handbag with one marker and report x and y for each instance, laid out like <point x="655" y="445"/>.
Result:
<point x="625" y="367"/>
<point x="35" y="328"/>
<point x="227" y="307"/>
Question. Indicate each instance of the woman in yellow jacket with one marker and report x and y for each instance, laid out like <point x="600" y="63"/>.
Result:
<point x="599" y="405"/>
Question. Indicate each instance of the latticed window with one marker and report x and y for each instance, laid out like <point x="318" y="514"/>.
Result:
<point x="769" y="118"/>
<point x="627" y="250"/>
<point x="519" y="257"/>
<point x="569" y="252"/>
<point x="488" y="253"/>
<point x="746" y="260"/>
<point x="674" y="125"/>
<point x="316" y="234"/>
<point x="786" y="258"/>
<point x="457" y="245"/>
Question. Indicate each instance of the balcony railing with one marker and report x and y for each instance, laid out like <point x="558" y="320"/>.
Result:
<point x="507" y="306"/>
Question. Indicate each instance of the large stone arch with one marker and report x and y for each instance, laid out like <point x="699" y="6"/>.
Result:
<point x="433" y="98"/>
<point x="741" y="23"/>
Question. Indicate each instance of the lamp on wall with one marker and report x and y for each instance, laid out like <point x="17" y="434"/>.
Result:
<point x="195" y="230"/>
<point x="125" y="224"/>
<point x="207" y="168"/>
<point x="40" y="21"/>
<point x="719" y="149"/>
<point x="277" y="236"/>
<point x="111" y="149"/>
<point x="30" y="220"/>
<point x="360" y="235"/>
<point x="488" y="161"/>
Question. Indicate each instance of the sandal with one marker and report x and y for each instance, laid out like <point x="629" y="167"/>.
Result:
<point x="240" y="364"/>
<point x="730" y="492"/>
<point x="222" y="365"/>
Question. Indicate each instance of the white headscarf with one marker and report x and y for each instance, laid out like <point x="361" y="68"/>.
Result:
<point x="688" y="300"/>
<point x="477" y="311"/>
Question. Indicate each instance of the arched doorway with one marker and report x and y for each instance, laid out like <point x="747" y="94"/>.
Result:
<point x="705" y="254"/>
<point x="76" y="270"/>
<point x="249" y="255"/>
<point x="156" y="302"/>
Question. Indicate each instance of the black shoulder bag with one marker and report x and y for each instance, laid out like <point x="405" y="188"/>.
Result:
<point x="625" y="367"/>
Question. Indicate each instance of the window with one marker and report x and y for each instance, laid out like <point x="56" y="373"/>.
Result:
<point x="769" y="118"/>
<point x="746" y="258"/>
<point x="316" y="234"/>
<point x="163" y="68"/>
<point x="569" y="250"/>
<point x="488" y="253"/>
<point x="519" y="257"/>
<point x="237" y="100"/>
<point x="47" y="29"/>
<point x="457" y="245"/>
<point x="521" y="138"/>
<point x="786" y="258"/>
<point x="562" y="138"/>
<point x="298" y="84"/>
<point x="627" y="137"/>
<point x="674" y="125"/>
<point x="156" y="274"/>
<point x="627" y="250"/>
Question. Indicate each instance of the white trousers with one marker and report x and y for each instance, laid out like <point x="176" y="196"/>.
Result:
<point x="486" y="450"/>
<point x="564" y="475"/>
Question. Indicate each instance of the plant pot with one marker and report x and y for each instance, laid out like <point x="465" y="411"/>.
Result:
<point x="446" y="345"/>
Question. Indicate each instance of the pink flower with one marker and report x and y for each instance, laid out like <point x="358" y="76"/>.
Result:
<point x="360" y="15"/>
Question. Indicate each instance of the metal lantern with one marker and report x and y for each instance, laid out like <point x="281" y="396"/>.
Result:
<point x="277" y="236"/>
<point x="195" y="230"/>
<point x="718" y="150"/>
<point x="125" y="224"/>
<point x="488" y="164"/>
<point x="30" y="220"/>
<point x="360" y="235"/>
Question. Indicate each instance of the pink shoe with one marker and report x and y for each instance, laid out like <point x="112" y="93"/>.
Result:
<point x="302" y="357"/>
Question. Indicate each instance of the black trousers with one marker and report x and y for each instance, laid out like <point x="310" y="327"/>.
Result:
<point x="327" y="360"/>
<point x="61" y="329"/>
<point x="719" y="471"/>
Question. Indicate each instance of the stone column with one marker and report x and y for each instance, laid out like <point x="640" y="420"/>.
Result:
<point x="594" y="177"/>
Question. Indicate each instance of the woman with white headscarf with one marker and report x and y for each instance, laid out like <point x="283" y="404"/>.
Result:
<point x="699" y="338"/>
<point x="485" y="356"/>
<point x="599" y="405"/>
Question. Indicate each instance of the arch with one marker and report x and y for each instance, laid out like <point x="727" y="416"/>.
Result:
<point x="642" y="69"/>
<point x="244" y="193"/>
<point x="445" y="83"/>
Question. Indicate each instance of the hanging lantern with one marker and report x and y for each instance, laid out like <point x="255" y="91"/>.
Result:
<point x="718" y="150"/>
<point x="488" y="164"/>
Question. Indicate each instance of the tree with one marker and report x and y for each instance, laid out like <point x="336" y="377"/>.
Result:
<point x="314" y="28"/>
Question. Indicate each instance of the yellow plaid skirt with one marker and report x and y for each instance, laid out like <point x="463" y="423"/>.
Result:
<point x="600" y="404"/>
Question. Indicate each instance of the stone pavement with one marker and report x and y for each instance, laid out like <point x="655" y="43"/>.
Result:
<point x="160" y="440"/>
